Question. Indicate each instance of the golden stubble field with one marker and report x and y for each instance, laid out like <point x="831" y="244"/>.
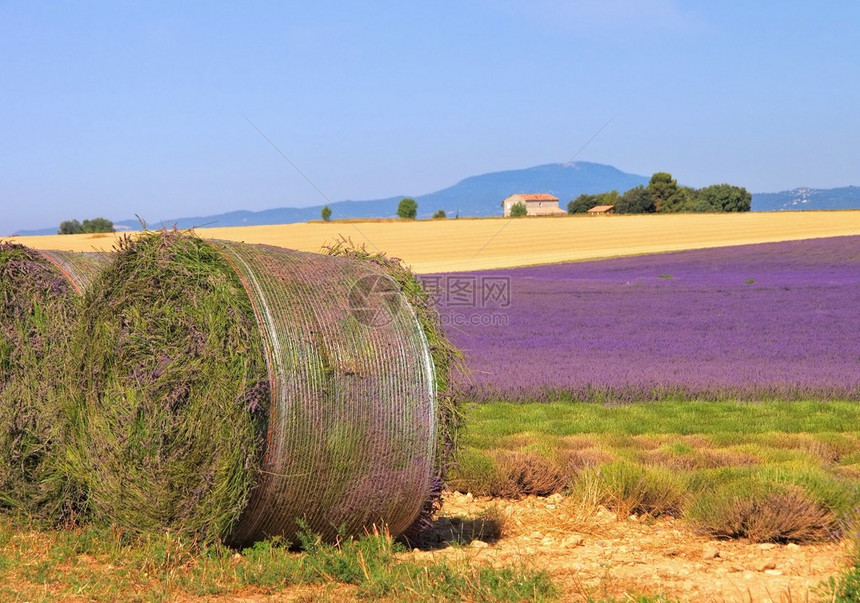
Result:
<point x="482" y="244"/>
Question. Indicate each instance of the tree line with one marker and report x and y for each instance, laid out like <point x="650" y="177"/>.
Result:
<point x="664" y="196"/>
<point x="88" y="226"/>
<point x="406" y="209"/>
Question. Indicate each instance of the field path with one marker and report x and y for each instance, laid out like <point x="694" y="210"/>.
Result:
<point x="481" y="244"/>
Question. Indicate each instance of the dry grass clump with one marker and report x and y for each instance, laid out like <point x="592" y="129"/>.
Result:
<point x="628" y="488"/>
<point x="681" y="458"/>
<point x="38" y="311"/>
<point x="574" y="461"/>
<point x="171" y="399"/>
<point x="763" y="512"/>
<point x="523" y="473"/>
<point x="507" y="474"/>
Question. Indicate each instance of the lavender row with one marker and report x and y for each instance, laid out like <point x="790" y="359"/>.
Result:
<point x="777" y="320"/>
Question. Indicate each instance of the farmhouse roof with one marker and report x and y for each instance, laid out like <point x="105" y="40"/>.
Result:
<point x="599" y="209"/>
<point x="537" y="197"/>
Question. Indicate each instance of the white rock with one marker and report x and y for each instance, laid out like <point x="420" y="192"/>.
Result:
<point x="773" y="572"/>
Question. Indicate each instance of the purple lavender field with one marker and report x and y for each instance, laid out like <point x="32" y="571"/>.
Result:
<point x="769" y="321"/>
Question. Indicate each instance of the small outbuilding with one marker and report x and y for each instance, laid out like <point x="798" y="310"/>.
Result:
<point x="602" y="210"/>
<point x="537" y="204"/>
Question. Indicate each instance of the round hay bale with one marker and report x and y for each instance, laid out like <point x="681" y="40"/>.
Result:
<point x="238" y="391"/>
<point x="40" y="304"/>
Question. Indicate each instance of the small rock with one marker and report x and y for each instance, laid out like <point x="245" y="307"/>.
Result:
<point x="572" y="542"/>
<point x="710" y="553"/>
<point x="469" y="497"/>
<point x="766" y="565"/>
<point x="237" y="556"/>
<point x="633" y="518"/>
<point x="554" y="498"/>
<point x="773" y="572"/>
<point x="547" y="541"/>
<point x="478" y="544"/>
<point x="550" y="507"/>
<point x="767" y="546"/>
<point x="536" y="536"/>
<point x="792" y="545"/>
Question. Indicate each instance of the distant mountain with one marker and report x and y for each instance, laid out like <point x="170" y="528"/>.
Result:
<point x="482" y="195"/>
<point x="475" y="196"/>
<point x="847" y="197"/>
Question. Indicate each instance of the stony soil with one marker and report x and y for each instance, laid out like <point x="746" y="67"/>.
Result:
<point x="591" y="552"/>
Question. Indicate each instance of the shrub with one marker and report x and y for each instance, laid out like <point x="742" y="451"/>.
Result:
<point x="761" y="510"/>
<point x="630" y="488"/>
<point x="518" y="210"/>
<point x="507" y="474"/>
<point x="474" y="472"/>
<point x="519" y="473"/>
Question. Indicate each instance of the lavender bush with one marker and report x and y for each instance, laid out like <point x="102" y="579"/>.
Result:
<point x="777" y="320"/>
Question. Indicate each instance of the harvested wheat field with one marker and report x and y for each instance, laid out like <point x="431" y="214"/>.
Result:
<point x="481" y="244"/>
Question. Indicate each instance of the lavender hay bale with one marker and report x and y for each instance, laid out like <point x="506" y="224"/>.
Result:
<point x="39" y="293"/>
<point x="233" y="391"/>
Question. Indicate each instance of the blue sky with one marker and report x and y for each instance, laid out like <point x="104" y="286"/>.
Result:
<point x="124" y="107"/>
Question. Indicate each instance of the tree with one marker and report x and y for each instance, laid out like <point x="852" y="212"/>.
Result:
<point x="89" y="226"/>
<point x="610" y="198"/>
<point x="70" y="227"/>
<point x="726" y="198"/>
<point x="635" y="201"/>
<point x="439" y="214"/>
<point x="407" y="208"/>
<point x="664" y="191"/>
<point x="582" y="204"/>
<point x="518" y="210"/>
<point x="325" y="213"/>
<point x="97" y="225"/>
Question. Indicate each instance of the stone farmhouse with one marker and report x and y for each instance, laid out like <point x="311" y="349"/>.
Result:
<point x="537" y="204"/>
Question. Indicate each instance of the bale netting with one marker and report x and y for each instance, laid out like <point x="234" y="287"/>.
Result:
<point x="449" y="420"/>
<point x="40" y="306"/>
<point x="233" y="392"/>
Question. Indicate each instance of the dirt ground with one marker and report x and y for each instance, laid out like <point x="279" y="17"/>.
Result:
<point x="590" y="552"/>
